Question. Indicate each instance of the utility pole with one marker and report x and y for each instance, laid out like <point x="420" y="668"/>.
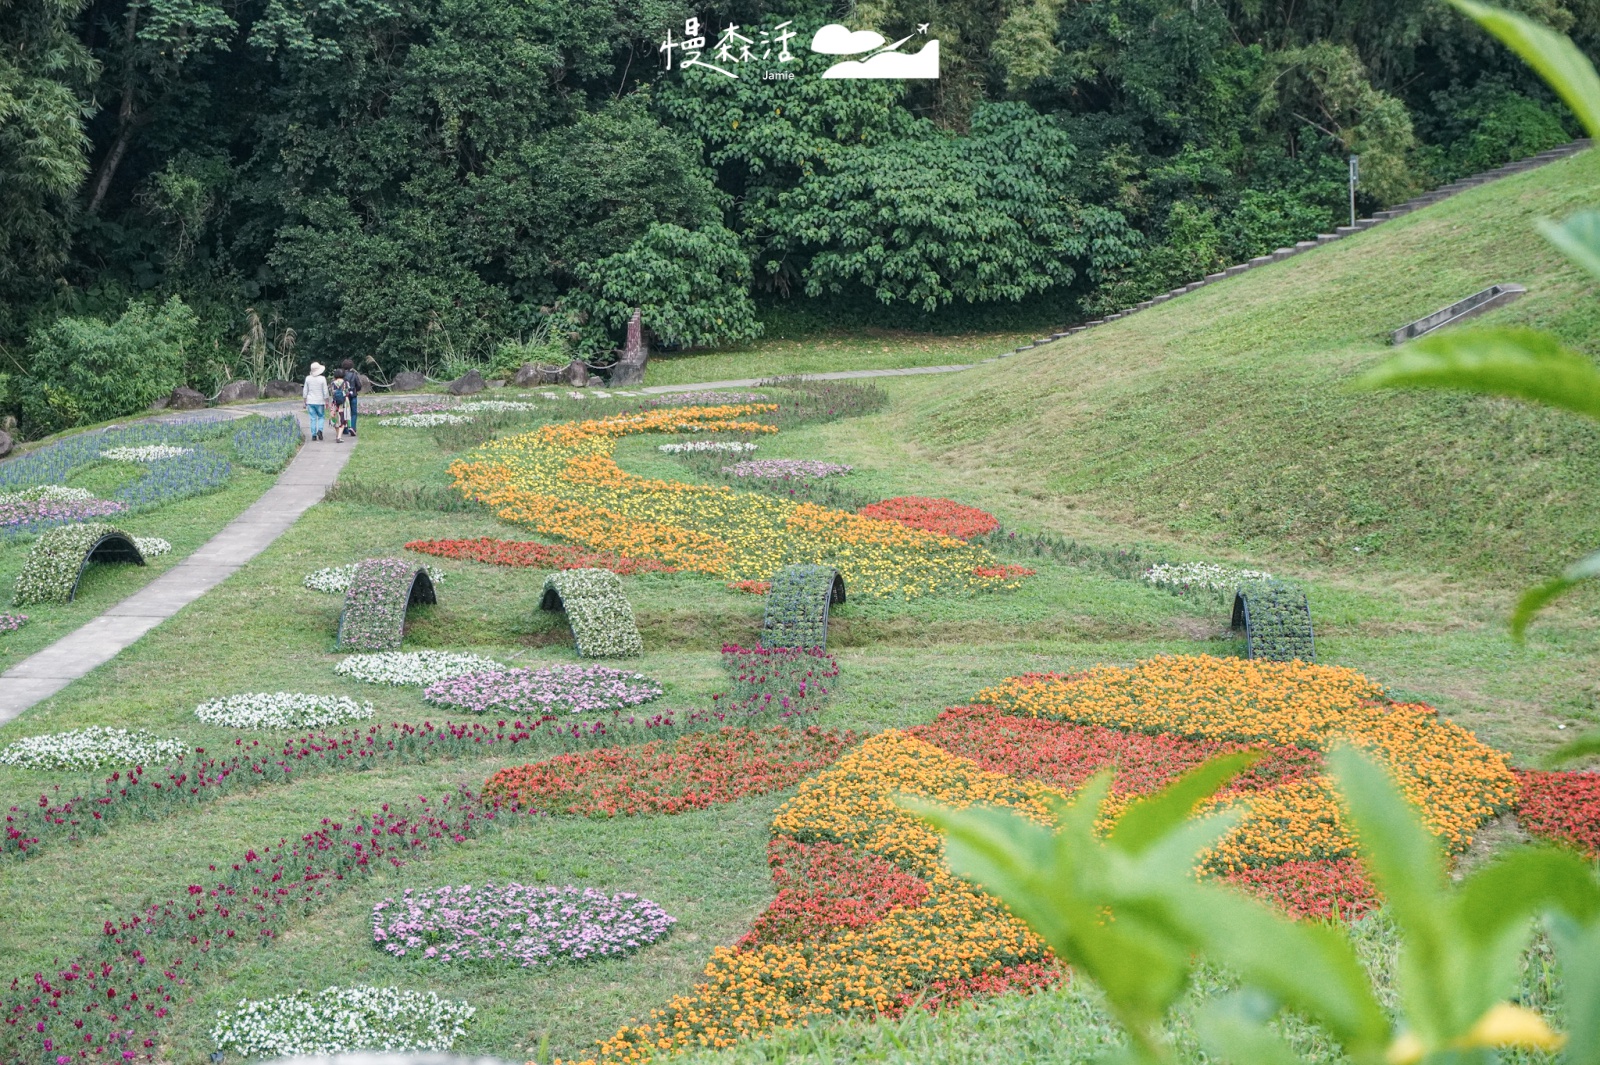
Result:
<point x="1355" y="176"/>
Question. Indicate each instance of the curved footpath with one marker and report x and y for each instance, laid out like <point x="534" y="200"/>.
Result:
<point x="298" y="488"/>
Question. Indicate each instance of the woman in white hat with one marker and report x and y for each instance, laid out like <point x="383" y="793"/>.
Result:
<point x="316" y="397"/>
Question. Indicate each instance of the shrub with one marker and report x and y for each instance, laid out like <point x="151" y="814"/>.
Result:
<point x="601" y="616"/>
<point x="86" y="370"/>
<point x="1276" y="618"/>
<point x="54" y="563"/>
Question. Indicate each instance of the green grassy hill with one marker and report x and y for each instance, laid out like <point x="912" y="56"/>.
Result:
<point x="1224" y="415"/>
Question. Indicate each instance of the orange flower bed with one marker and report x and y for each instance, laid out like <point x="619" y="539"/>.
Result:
<point x="527" y="553"/>
<point x="943" y="516"/>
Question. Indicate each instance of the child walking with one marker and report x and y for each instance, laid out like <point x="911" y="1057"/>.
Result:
<point x="338" y="407"/>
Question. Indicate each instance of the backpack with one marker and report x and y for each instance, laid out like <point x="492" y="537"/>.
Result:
<point x="338" y="396"/>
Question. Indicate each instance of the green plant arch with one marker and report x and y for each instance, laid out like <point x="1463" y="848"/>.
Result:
<point x="381" y="595"/>
<point x="1276" y="619"/>
<point x="56" y="563"/>
<point x="797" y="606"/>
<point x="601" y="617"/>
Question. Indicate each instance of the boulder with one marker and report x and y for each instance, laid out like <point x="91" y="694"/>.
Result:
<point x="576" y="374"/>
<point x="238" y="392"/>
<point x="5" y="442"/>
<point x="285" y="390"/>
<point x="468" y="384"/>
<point x="527" y="377"/>
<point x="185" y="398"/>
<point x="162" y="403"/>
<point x="8" y="424"/>
<point x="408" y="381"/>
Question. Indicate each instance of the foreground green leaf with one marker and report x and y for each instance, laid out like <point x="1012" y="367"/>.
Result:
<point x="1578" y="237"/>
<point x="1517" y="363"/>
<point x="1557" y="60"/>
<point x="1537" y="598"/>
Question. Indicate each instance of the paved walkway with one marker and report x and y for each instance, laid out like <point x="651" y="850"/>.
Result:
<point x="297" y="489"/>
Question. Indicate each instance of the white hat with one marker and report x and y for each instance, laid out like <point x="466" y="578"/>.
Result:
<point x="317" y="368"/>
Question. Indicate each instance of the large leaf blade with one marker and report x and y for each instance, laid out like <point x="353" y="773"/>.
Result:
<point x="1148" y="820"/>
<point x="1556" y="59"/>
<point x="1540" y="596"/>
<point x="1578" y="237"/>
<point x="1516" y="363"/>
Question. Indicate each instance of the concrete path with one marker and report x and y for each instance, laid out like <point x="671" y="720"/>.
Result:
<point x="298" y="488"/>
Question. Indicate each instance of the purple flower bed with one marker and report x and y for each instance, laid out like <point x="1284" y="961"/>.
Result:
<point x="431" y="405"/>
<point x="39" y="514"/>
<point x="553" y="689"/>
<point x="784" y="469"/>
<point x="376" y="602"/>
<point x="710" y="399"/>
<point x="12" y="622"/>
<point x="526" y="925"/>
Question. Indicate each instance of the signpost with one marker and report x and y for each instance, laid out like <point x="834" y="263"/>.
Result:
<point x="1355" y="176"/>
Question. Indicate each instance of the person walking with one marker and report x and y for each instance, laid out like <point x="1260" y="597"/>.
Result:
<point x="316" y="398"/>
<point x="337" y="397"/>
<point x="352" y="391"/>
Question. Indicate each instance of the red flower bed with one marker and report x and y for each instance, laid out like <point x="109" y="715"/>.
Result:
<point x="753" y="587"/>
<point x="944" y="516"/>
<point x="1065" y="755"/>
<point x="827" y="888"/>
<point x="1562" y="808"/>
<point x="1003" y="572"/>
<point x="691" y="772"/>
<point x="529" y="553"/>
<point x="1326" y="889"/>
<point x="1026" y="977"/>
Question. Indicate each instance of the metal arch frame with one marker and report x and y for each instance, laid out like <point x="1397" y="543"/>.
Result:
<point x="128" y="548"/>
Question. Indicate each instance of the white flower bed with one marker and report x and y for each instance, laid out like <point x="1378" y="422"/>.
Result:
<point x="338" y="1020"/>
<point x="147" y="453"/>
<point x="151" y="546"/>
<point x="48" y="493"/>
<point x="413" y="667"/>
<point x="1182" y="576"/>
<point x="90" y="748"/>
<point x="707" y="445"/>
<point x="335" y="580"/>
<point x="496" y="405"/>
<point x="281" y="710"/>
<point x="424" y="421"/>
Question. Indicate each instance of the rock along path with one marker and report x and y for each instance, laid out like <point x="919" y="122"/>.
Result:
<point x="298" y="488"/>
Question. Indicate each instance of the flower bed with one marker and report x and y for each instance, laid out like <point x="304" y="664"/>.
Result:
<point x="337" y="1020"/>
<point x="1182" y="577"/>
<point x="377" y="405"/>
<point x="424" y="421"/>
<point x="496" y="406"/>
<point x="267" y="444"/>
<point x="50" y="572"/>
<point x="382" y="591"/>
<point x="526" y="926"/>
<point x="90" y="748"/>
<point x="145" y="453"/>
<point x="34" y="509"/>
<point x="691" y="772"/>
<point x="412" y="667"/>
<point x="12" y="622"/>
<point x="943" y="516"/>
<point x="695" y="446"/>
<point x="785" y="469"/>
<point x="258" y="710"/>
<point x="548" y="690"/>
<point x="1458" y="781"/>
<point x="788" y="681"/>
<point x="600" y="615"/>
<point x="751" y="587"/>
<point x="1562" y="808"/>
<point x="897" y="922"/>
<point x="152" y="546"/>
<point x="336" y="579"/>
<point x="563" y="481"/>
<point x="708" y="399"/>
<point x="529" y="553"/>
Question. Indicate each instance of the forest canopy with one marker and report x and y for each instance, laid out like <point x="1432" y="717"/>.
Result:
<point x="434" y="183"/>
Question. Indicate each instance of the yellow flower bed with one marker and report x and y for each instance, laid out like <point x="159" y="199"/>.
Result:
<point x="1456" y="780"/>
<point x="957" y="932"/>
<point x="563" y="480"/>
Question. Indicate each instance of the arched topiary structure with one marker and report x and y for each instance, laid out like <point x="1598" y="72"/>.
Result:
<point x="600" y="615"/>
<point x="58" y="558"/>
<point x="381" y="593"/>
<point x="797" y="606"/>
<point x="1276" y="619"/>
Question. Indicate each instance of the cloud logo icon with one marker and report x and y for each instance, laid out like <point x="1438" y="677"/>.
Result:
<point x="834" y="39"/>
<point x="890" y="64"/>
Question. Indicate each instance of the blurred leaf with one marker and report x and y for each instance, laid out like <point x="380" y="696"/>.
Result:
<point x="1578" y="237"/>
<point x="1520" y="363"/>
<point x="1149" y="819"/>
<point x="1578" y="950"/>
<point x="1234" y="1029"/>
<point x="1537" y="598"/>
<point x="1587" y="744"/>
<point x="1556" y="58"/>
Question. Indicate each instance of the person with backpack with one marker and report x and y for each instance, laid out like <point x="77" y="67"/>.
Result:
<point x="338" y="397"/>
<point x="315" y="394"/>
<point x="352" y="391"/>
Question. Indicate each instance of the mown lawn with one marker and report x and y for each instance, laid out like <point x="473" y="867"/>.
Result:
<point x="901" y="662"/>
